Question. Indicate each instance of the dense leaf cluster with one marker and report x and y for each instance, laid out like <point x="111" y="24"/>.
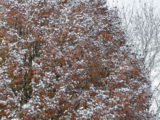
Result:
<point x="67" y="60"/>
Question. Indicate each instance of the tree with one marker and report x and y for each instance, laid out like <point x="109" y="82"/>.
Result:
<point x="141" y="26"/>
<point x="68" y="60"/>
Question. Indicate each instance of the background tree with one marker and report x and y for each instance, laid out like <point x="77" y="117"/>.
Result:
<point x="68" y="60"/>
<point x="141" y="25"/>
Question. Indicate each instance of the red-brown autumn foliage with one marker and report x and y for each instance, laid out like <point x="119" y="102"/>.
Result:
<point x="67" y="60"/>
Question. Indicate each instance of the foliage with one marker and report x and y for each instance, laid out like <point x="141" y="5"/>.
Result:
<point x="68" y="60"/>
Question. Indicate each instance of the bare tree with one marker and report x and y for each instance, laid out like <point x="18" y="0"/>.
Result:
<point x="142" y="26"/>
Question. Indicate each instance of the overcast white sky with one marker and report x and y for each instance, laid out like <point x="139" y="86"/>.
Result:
<point x="120" y="3"/>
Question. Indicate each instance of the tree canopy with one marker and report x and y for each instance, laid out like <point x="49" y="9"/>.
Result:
<point x="68" y="60"/>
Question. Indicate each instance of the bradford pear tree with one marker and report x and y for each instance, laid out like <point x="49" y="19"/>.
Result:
<point x="68" y="60"/>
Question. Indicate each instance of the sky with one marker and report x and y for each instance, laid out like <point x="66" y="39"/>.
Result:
<point x="129" y="3"/>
